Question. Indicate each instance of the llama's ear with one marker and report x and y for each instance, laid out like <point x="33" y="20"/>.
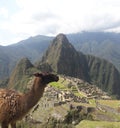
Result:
<point x="38" y="74"/>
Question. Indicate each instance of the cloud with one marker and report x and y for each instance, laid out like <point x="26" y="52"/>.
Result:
<point x="43" y="16"/>
<point x="50" y="17"/>
<point x="4" y="12"/>
<point x="69" y="15"/>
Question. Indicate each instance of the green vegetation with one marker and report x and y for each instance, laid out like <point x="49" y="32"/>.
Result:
<point x="3" y="83"/>
<point x="53" y="123"/>
<point x="21" y="75"/>
<point x="103" y="74"/>
<point x="58" y="85"/>
<point x="98" y="124"/>
<point x="74" y="116"/>
<point x="92" y="102"/>
<point x="61" y="84"/>
<point x="111" y="103"/>
<point x="23" y="124"/>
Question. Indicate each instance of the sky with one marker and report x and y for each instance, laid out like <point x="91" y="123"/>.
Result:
<point x="21" y="19"/>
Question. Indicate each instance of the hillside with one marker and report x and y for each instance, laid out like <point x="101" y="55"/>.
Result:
<point x="100" y="44"/>
<point x="64" y="59"/>
<point x="21" y="74"/>
<point x="103" y="74"/>
<point x="4" y="63"/>
<point x="31" y="48"/>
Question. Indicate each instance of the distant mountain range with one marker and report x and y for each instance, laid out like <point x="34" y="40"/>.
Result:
<point x="61" y="57"/>
<point x="103" y="45"/>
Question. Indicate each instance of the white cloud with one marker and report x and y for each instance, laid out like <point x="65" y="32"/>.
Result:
<point x="70" y="15"/>
<point x="4" y="12"/>
<point x="50" y="17"/>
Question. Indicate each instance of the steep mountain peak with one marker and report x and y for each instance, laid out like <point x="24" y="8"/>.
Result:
<point x="19" y="71"/>
<point x="24" y="64"/>
<point x="63" y="58"/>
<point x="61" y="38"/>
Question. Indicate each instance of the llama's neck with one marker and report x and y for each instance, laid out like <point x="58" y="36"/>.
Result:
<point x="33" y="96"/>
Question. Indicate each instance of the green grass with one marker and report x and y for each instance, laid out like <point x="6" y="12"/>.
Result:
<point x="98" y="124"/>
<point x="79" y="94"/>
<point x="58" y="85"/>
<point x="111" y="103"/>
<point x="61" y="84"/>
<point x="92" y="102"/>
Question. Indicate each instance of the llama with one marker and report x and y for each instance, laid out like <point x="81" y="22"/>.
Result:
<point x="14" y="105"/>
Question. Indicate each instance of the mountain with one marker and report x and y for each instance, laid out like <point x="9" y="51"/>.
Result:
<point x="31" y="48"/>
<point x="103" y="74"/>
<point x="21" y="74"/>
<point x="100" y="44"/>
<point x="105" y="45"/>
<point x="64" y="59"/>
<point x="4" y="63"/>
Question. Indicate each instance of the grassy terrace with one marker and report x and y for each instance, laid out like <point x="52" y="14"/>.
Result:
<point x="63" y="85"/>
<point x="98" y="124"/>
<point x="111" y="103"/>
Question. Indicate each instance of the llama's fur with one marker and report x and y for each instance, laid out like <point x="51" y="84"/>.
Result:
<point x="14" y="105"/>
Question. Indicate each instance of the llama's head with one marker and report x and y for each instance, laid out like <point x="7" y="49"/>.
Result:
<point x="47" y="77"/>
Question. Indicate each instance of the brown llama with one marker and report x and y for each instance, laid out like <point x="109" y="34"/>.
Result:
<point x="14" y="105"/>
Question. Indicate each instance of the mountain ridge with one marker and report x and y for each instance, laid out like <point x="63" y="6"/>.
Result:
<point x="64" y="59"/>
<point x="20" y="74"/>
<point x="105" y="45"/>
<point x="62" y="54"/>
<point x="100" y="44"/>
<point x="32" y="49"/>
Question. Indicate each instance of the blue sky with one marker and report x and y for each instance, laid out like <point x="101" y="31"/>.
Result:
<point x="20" y="19"/>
